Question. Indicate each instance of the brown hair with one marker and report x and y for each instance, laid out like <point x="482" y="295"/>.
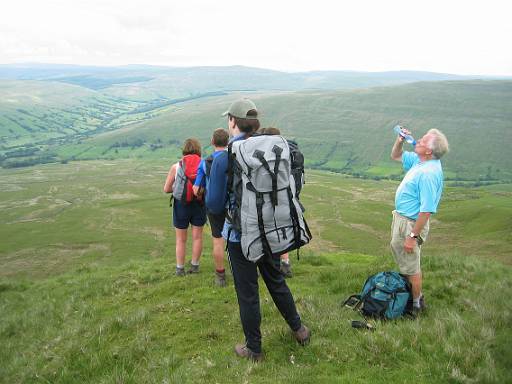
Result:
<point x="248" y="126"/>
<point x="269" y="131"/>
<point x="191" y="147"/>
<point x="220" y="137"/>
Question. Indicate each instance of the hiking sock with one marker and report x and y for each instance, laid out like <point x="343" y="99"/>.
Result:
<point x="416" y="302"/>
<point x="194" y="263"/>
<point x="179" y="266"/>
<point x="220" y="270"/>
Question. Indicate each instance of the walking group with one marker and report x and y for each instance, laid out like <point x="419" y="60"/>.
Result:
<point x="249" y="191"/>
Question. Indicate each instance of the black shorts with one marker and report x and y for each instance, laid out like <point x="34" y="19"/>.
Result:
<point x="184" y="214"/>
<point x="216" y="223"/>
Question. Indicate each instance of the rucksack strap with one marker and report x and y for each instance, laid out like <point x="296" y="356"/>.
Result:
<point x="230" y="169"/>
<point x="208" y="165"/>
<point x="295" y="218"/>
<point x="273" y="174"/>
<point x="259" y="209"/>
<point x="184" y="193"/>
<point x="277" y="150"/>
<point x="228" y="238"/>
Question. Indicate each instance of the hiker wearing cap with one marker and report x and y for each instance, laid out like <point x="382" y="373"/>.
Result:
<point x="219" y="141"/>
<point x="416" y="200"/>
<point x="243" y="122"/>
<point x="187" y="209"/>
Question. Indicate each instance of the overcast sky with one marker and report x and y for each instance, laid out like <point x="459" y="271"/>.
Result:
<point x="451" y="36"/>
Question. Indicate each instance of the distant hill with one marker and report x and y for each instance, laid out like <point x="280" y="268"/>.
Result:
<point x="144" y="82"/>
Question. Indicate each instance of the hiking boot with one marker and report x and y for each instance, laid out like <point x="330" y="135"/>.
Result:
<point x="242" y="351"/>
<point x="180" y="271"/>
<point x="220" y="279"/>
<point x="286" y="269"/>
<point x="193" y="269"/>
<point x="423" y="306"/>
<point x="303" y="335"/>
<point x="416" y="312"/>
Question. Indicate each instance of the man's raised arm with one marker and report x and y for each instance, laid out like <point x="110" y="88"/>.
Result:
<point x="396" y="152"/>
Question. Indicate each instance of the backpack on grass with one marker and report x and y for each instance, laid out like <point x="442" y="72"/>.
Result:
<point x="385" y="295"/>
<point x="266" y="210"/>
<point x="186" y="174"/>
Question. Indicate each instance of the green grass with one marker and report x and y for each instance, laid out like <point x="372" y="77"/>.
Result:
<point x="87" y="291"/>
<point x="138" y="323"/>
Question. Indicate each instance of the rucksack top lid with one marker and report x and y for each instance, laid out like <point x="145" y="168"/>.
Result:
<point x="247" y="152"/>
<point x="190" y="164"/>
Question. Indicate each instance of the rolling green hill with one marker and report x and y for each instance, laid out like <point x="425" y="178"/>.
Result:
<point x="349" y="131"/>
<point x="35" y="114"/>
<point x="346" y="131"/>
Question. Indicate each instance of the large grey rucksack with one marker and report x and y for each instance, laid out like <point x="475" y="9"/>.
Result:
<point x="265" y="208"/>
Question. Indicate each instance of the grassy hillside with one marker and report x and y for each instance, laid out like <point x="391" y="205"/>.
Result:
<point x="87" y="292"/>
<point x="343" y="131"/>
<point x="351" y="131"/>
<point x="34" y="114"/>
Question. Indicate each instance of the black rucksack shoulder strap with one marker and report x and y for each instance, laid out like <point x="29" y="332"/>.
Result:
<point x="230" y="168"/>
<point x="208" y="165"/>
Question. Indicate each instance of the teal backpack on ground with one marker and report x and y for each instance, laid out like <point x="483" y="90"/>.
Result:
<point x="385" y="295"/>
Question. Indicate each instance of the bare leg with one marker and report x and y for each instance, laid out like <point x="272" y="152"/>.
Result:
<point x="197" y="244"/>
<point x="218" y="253"/>
<point x="181" y="246"/>
<point x="415" y="281"/>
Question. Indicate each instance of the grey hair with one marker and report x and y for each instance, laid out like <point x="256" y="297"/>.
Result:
<point x="438" y="144"/>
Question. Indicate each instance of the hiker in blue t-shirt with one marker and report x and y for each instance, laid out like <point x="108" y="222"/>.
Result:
<point x="203" y="180"/>
<point x="242" y="123"/>
<point x="416" y="200"/>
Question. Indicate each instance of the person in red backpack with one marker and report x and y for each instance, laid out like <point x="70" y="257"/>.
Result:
<point x="187" y="208"/>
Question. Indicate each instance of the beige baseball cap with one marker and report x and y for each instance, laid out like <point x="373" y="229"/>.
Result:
<point x="240" y="108"/>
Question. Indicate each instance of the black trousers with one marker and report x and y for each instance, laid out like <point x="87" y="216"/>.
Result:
<point x="245" y="276"/>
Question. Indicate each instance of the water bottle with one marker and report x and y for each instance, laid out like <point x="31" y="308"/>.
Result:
<point x="408" y="138"/>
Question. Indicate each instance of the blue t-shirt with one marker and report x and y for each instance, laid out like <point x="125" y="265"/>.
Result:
<point x="201" y="172"/>
<point x="201" y="179"/>
<point x="421" y="188"/>
<point x="218" y="175"/>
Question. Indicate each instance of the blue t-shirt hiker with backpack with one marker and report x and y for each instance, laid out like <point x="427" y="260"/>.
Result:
<point x="203" y="180"/>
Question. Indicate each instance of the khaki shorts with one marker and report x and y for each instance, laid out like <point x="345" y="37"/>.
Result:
<point x="408" y="263"/>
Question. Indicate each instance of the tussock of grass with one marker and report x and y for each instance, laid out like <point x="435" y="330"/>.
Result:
<point x="139" y="323"/>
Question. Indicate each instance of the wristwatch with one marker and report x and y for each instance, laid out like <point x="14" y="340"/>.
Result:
<point x="413" y="235"/>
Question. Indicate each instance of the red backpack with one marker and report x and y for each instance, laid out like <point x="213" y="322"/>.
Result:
<point x="185" y="177"/>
